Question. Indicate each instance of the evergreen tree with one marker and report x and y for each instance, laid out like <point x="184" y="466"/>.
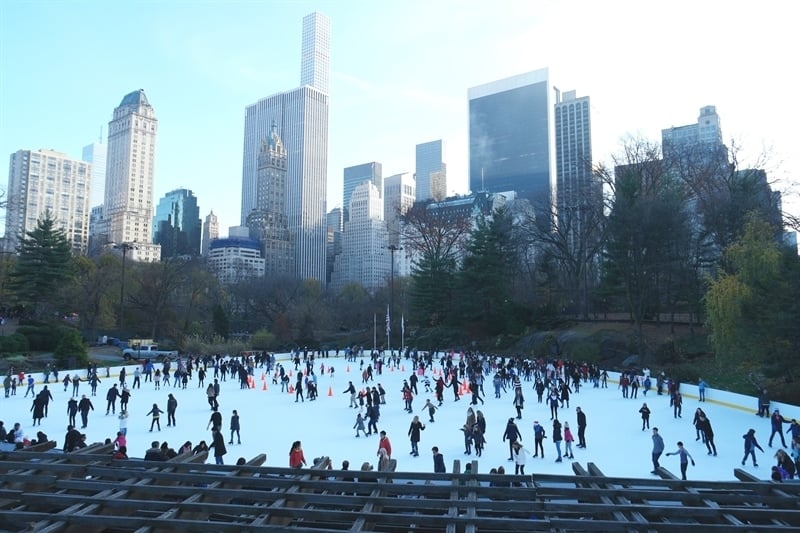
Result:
<point x="43" y="269"/>
<point x="485" y="276"/>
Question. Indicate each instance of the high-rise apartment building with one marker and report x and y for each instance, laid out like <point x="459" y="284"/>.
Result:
<point x="578" y="195"/>
<point x="267" y="223"/>
<point x="356" y="175"/>
<point x="431" y="171"/>
<point x="130" y="173"/>
<point x="46" y="181"/>
<point x="364" y="259"/>
<point x="335" y="226"/>
<point x="301" y="116"/>
<point x="95" y="154"/>
<point x="315" y="64"/>
<point x="399" y="193"/>
<point x="510" y="128"/>
<point x="210" y="232"/>
<point x="176" y="225"/>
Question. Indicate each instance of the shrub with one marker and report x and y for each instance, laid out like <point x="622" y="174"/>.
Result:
<point x="16" y="343"/>
<point x="71" y="346"/>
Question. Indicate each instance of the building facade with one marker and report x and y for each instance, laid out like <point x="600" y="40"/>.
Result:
<point x="431" y="171"/>
<point x="130" y="175"/>
<point x="267" y="223"/>
<point x="235" y="259"/>
<point x="578" y="195"/>
<point x="335" y="227"/>
<point x="510" y="129"/>
<point x="44" y="181"/>
<point x="95" y="154"/>
<point x="399" y="194"/>
<point x="176" y="224"/>
<point x="364" y="259"/>
<point x="301" y="116"/>
<point x="210" y="232"/>
<point x="355" y="175"/>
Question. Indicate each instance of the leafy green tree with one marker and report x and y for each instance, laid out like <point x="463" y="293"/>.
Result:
<point x="753" y="309"/>
<point x="71" y="345"/>
<point x="42" y="269"/>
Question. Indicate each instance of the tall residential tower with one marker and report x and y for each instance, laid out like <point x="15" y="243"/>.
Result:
<point x="41" y="181"/>
<point x="130" y="173"/>
<point x="301" y="116"/>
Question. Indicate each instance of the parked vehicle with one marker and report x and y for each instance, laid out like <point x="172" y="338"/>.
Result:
<point x="146" y="351"/>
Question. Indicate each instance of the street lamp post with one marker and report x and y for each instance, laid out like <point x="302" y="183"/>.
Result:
<point x="125" y="247"/>
<point x="392" y="249"/>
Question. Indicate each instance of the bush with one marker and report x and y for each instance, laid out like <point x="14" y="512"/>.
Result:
<point x="16" y="343"/>
<point x="41" y="337"/>
<point x="71" y="346"/>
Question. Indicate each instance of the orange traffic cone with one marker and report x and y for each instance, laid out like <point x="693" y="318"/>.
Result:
<point x="348" y="369"/>
<point x="263" y="376"/>
<point x="330" y="391"/>
<point x="291" y="389"/>
<point x="264" y="387"/>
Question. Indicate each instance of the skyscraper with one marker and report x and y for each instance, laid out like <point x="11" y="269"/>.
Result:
<point x="130" y="172"/>
<point x="509" y="137"/>
<point x="364" y="259"/>
<point x="301" y="116"/>
<point x="267" y="223"/>
<point x="210" y="232"/>
<point x="431" y="171"/>
<point x="44" y="180"/>
<point x="356" y="175"/>
<point x="579" y="195"/>
<point x="399" y="193"/>
<point x="315" y="67"/>
<point x="95" y="154"/>
<point x="177" y="224"/>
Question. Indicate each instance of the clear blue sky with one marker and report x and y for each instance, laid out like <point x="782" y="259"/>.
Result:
<point x="400" y="73"/>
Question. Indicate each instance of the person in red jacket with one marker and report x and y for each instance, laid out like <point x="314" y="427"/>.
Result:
<point x="385" y="445"/>
<point x="296" y="457"/>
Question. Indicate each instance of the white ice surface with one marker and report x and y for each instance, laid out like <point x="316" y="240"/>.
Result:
<point x="271" y="421"/>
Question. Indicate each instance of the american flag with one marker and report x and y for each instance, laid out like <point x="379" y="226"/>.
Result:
<point x="388" y="323"/>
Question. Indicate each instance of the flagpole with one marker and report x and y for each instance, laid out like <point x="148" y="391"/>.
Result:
<point x="374" y="332"/>
<point x="402" y="334"/>
<point x="388" y="330"/>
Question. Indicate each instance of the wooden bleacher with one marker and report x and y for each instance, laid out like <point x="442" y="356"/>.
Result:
<point x="87" y="492"/>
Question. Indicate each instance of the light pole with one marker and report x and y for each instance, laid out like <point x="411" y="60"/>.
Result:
<point x="392" y="249"/>
<point x="124" y="247"/>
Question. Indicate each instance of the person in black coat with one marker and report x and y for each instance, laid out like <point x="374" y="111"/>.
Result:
<point x="83" y="407"/>
<point x="172" y="406"/>
<point x="218" y="443"/>
<point x="513" y="435"/>
<point x="581" y="428"/>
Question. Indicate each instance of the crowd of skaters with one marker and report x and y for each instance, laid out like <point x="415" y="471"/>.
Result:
<point x="553" y="382"/>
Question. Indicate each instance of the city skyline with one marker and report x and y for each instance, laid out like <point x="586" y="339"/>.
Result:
<point x="393" y="93"/>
